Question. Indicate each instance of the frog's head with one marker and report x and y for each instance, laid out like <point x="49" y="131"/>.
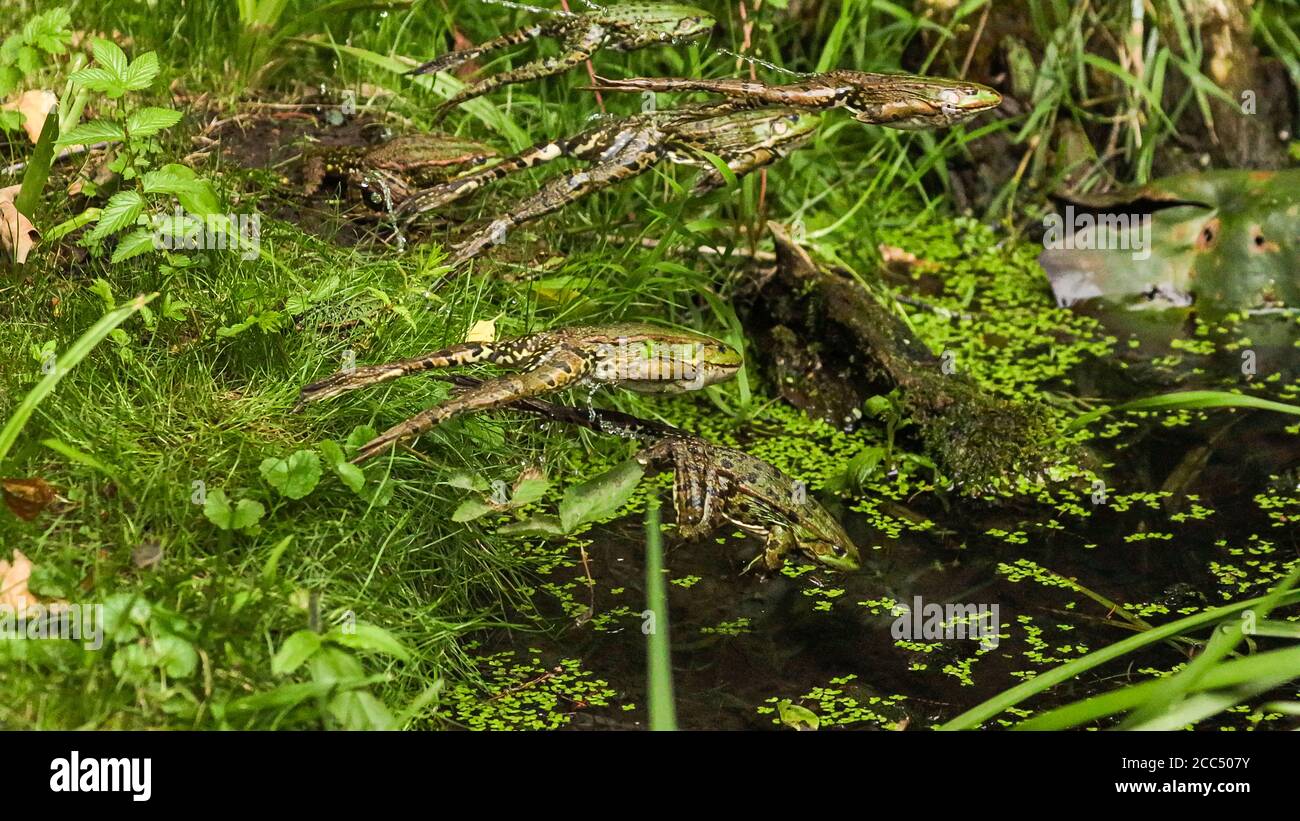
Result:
<point x="911" y="102"/>
<point x="821" y="538"/>
<point x="716" y="361"/>
<point x="650" y="23"/>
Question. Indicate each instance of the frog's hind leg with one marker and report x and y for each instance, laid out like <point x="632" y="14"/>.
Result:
<point x="466" y="184"/>
<point x="745" y="162"/>
<point x="509" y="353"/>
<point x="527" y="33"/>
<point x="557" y="370"/>
<point x="640" y="156"/>
<point x="780" y="542"/>
<point x="576" y="50"/>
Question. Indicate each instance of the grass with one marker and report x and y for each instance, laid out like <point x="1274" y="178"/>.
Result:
<point x="167" y="406"/>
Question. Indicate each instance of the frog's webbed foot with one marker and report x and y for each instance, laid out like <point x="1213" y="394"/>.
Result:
<point x="780" y="542"/>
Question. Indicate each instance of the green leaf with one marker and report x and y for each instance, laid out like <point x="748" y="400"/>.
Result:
<point x="166" y="181"/>
<point x="796" y="717"/>
<point x="600" y="497"/>
<point x="202" y="200"/>
<point x="98" y="79"/>
<point x="139" y="241"/>
<point x="360" y="435"/>
<point x="294" y="652"/>
<point x="175" y="656"/>
<point x="359" y="710"/>
<point x="469" y="510"/>
<point x="529" y="491"/>
<point x="38" y="168"/>
<point x="147" y="121"/>
<point x="244" y="515"/>
<point x="350" y="474"/>
<point x="363" y="636"/>
<point x="93" y="132"/>
<point x="122" y="209"/>
<point x="536" y="526"/>
<point x="141" y="73"/>
<point x="108" y="56"/>
<point x="294" y="477"/>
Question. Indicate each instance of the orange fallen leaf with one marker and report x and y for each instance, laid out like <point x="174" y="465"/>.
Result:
<point x="17" y="234"/>
<point x="34" y="105"/>
<point x="26" y="498"/>
<point x="13" y="585"/>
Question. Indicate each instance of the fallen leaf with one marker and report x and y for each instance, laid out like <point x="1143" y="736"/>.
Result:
<point x="901" y="260"/>
<point x="26" y="498"/>
<point x="17" y="234"/>
<point x="485" y="330"/>
<point x="148" y="554"/>
<point x="13" y="585"/>
<point x="34" y="105"/>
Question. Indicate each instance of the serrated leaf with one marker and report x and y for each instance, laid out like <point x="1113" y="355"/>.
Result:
<point x="600" y="497"/>
<point x="166" y="181"/>
<point x="140" y="241"/>
<point x="147" y="121"/>
<point x="98" y="79"/>
<point x="294" y="477"/>
<point x="95" y="131"/>
<point x="142" y="71"/>
<point x="122" y="209"/>
<point x="466" y="481"/>
<point x="108" y="55"/>
<point x="295" y="651"/>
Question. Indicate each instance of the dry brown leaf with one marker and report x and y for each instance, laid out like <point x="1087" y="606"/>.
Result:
<point x="485" y="330"/>
<point x="26" y="498"/>
<point x="34" y="105"/>
<point x="13" y="584"/>
<point x="899" y="259"/>
<point x="17" y="234"/>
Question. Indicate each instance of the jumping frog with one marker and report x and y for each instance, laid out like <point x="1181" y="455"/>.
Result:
<point x="904" y="101"/>
<point x="621" y="149"/>
<point x="621" y="28"/>
<point x="715" y="485"/>
<point x="386" y="174"/>
<point x="639" y="357"/>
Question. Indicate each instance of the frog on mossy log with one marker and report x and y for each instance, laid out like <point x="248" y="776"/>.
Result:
<point x="832" y="345"/>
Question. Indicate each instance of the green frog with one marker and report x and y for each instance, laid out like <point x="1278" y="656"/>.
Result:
<point x="625" y="27"/>
<point x="385" y="175"/>
<point x="623" y="148"/>
<point x="714" y="485"/>
<point x="639" y="357"/>
<point x="904" y="101"/>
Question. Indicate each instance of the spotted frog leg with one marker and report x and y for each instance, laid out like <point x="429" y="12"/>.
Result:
<point x="638" y="154"/>
<point x="510" y="353"/>
<point x="576" y="50"/>
<point x="560" y="368"/>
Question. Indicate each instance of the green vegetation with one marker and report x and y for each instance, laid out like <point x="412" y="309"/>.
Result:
<point x="494" y="576"/>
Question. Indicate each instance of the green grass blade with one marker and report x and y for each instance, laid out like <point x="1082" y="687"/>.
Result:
<point x="38" y="168"/>
<point x="659" y="665"/>
<point x="1187" y="400"/>
<point x="77" y="352"/>
<point x="980" y="713"/>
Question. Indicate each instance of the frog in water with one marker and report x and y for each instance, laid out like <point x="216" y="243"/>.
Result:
<point x="639" y="357"/>
<point x="904" y="101"/>
<point x="385" y="175"/>
<point x="714" y="485"/>
<point x="624" y="27"/>
<point x="620" y="149"/>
